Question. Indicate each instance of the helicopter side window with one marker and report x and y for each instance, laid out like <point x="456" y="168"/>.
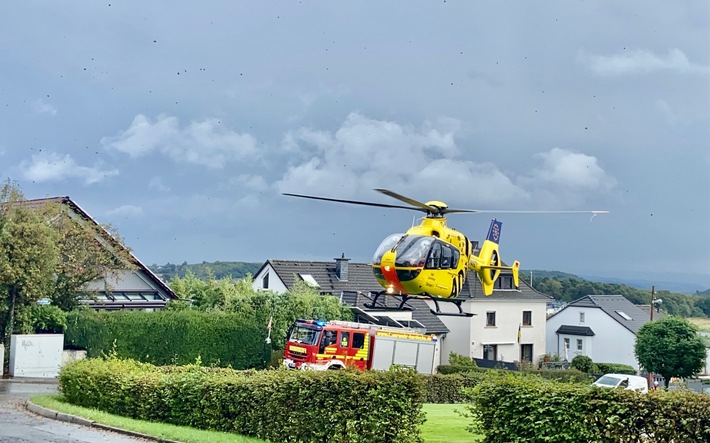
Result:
<point x="434" y="261"/>
<point x="447" y="255"/>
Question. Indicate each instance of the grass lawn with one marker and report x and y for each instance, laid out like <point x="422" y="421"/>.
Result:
<point x="443" y="425"/>
<point x="165" y="431"/>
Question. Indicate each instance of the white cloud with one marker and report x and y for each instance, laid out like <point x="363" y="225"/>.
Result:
<point x="250" y="182"/>
<point x="125" y="210"/>
<point x="205" y="142"/>
<point x="572" y="171"/>
<point x="426" y="163"/>
<point x="365" y="153"/>
<point x="641" y="61"/>
<point x="156" y="183"/>
<point x="40" y="107"/>
<point x="53" y="167"/>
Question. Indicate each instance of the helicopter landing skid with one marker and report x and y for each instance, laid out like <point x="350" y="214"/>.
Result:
<point x="406" y="297"/>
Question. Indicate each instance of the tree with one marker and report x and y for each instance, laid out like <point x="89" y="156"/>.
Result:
<point x="671" y="347"/>
<point x="88" y="252"/>
<point x="28" y="257"/>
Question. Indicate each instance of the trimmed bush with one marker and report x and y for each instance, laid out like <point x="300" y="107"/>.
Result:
<point x="514" y="409"/>
<point x="450" y="388"/>
<point x="281" y="406"/>
<point x="170" y="337"/>
<point x="615" y="368"/>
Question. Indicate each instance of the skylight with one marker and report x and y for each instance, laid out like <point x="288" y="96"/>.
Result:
<point x="308" y="278"/>
<point x="624" y="315"/>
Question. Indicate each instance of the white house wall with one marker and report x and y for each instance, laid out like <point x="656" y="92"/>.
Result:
<point x="458" y="340"/>
<point x="275" y="284"/>
<point x="469" y="335"/>
<point x="612" y="342"/>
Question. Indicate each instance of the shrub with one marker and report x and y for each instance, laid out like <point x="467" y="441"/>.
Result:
<point x="294" y="406"/>
<point x="614" y="368"/>
<point x="515" y="409"/>
<point x="48" y="319"/>
<point x="582" y="363"/>
<point x="170" y="337"/>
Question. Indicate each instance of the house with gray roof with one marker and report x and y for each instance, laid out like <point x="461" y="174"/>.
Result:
<point x="602" y="327"/>
<point x="136" y="288"/>
<point x="508" y="325"/>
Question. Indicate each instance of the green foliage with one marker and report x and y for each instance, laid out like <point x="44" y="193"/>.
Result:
<point x="294" y="406"/>
<point x="670" y="347"/>
<point x="563" y="375"/>
<point x="28" y="256"/>
<point x="614" y="368"/>
<point x="450" y="388"/>
<point x="166" y="337"/>
<point x="459" y="360"/>
<point x="583" y="363"/>
<point x="515" y="409"/>
<point x="47" y="319"/>
<point x="239" y="297"/>
<point x="567" y="287"/>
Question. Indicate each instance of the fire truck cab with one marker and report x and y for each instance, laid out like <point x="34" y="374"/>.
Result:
<point x="320" y="345"/>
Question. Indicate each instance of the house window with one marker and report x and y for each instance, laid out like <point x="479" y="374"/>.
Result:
<point x="527" y="318"/>
<point x="581" y="317"/>
<point x="490" y="352"/>
<point x="265" y="281"/>
<point x="490" y="318"/>
<point x="504" y="282"/>
<point x="579" y="344"/>
<point x="526" y="353"/>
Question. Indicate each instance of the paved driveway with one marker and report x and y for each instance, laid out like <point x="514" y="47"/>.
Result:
<point x="17" y="425"/>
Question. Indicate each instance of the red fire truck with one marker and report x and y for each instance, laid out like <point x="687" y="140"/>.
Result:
<point x="315" y="344"/>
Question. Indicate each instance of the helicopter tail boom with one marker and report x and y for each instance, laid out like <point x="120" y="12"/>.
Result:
<point x="487" y="264"/>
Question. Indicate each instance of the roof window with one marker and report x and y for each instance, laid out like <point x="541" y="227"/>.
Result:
<point x="624" y="315"/>
<point x="310" y="281"/>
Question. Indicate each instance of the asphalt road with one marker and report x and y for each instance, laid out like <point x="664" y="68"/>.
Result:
<point x="17" y="425"/>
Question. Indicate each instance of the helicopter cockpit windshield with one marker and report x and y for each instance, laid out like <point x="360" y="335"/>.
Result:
<point x="387" y="244"/>
<point x="413" y="250"/>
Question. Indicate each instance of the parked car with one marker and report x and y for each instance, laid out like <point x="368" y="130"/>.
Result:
<point x="624" y="381"/>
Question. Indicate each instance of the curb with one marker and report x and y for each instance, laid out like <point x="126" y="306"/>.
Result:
<point x="68" y="418"/>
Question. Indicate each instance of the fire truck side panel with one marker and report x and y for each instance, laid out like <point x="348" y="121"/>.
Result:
<point x="395" y="350"/>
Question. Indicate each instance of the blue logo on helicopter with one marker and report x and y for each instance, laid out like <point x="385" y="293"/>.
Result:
<point x="494" y="231"/>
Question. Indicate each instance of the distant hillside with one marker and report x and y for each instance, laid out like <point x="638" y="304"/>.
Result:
<point x="219" y="269"/>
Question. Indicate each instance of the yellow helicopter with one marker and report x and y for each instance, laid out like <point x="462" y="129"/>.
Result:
<point x="432" y="260"/>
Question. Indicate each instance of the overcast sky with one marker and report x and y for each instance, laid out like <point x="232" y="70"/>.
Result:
<point x="180" y="123"/>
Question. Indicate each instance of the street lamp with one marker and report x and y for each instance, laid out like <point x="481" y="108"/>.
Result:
<point x="655" y="302"/>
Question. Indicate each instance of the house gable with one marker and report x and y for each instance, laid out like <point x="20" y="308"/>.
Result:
<point x="136" y="289"/>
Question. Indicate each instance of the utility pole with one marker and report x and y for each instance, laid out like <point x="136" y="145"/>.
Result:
<point x="653" y="300"/>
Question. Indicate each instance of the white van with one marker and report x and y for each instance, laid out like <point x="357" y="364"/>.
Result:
<point x="631" y="382"/>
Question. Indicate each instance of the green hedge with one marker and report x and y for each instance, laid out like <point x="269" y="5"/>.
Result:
<point x="170" y="337"/>
<point x="450" y="388"/>
<point x="279" y="406"/>
<point x="514" y="409"/>
<point x="615" y="368"/>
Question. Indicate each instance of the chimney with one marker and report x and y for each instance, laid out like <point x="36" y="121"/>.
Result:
<point x="341" y="268"/>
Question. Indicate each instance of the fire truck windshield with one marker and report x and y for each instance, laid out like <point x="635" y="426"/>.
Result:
<point x="303" y="334"/>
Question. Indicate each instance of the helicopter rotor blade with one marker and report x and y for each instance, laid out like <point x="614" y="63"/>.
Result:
<point x="412" y="202"/>
<point x="356" y="202"/>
